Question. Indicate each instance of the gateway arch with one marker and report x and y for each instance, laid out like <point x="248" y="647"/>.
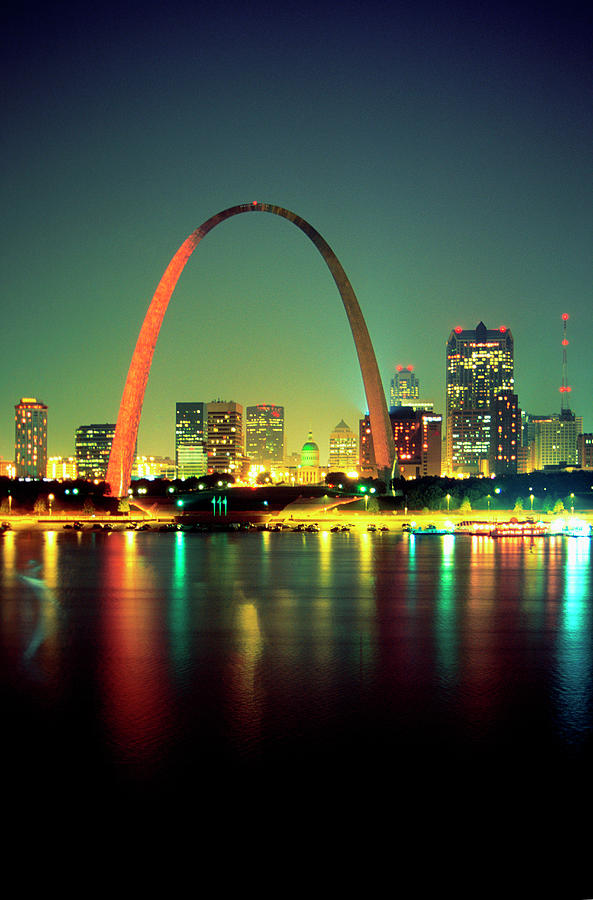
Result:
<point x="126" y="431"/>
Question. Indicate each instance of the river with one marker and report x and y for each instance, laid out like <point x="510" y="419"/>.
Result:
<point x="440" y="679"/>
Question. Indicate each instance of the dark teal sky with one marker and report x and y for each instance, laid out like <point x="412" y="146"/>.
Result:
<point x="445" y="153"/>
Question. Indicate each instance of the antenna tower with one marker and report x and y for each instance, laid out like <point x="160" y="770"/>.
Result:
<point x="564" y="389"/>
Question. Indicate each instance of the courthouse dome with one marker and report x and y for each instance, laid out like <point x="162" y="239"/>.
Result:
<point x="310" y="452"/>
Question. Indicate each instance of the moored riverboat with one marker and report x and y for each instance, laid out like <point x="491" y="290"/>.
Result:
<point x="520" y="528"/>
<point x="475" y="527"/>
<point x="572" y="527"/>
<point x="447" y="528"/>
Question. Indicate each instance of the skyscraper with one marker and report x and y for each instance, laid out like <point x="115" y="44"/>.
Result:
<point x="417" y="439"/>
<point x="30" y="438"/>
<point x="264" y="433"/>
<point x="225" y="437"/>
<point x="191" y="428"/>
<point x="404" y="386"/>
<point x="556" y="440"/>
<point x="92" y="446"/>
<point x="505" y="434"/>
<point x="479" y="364"/>
<point x="343" y="449"/>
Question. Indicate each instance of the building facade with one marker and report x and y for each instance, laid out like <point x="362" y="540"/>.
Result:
<point x="343" y="449"/>
<point x="224" y="443"/>
<point x="92" y="446"/>
<point x="309" y="470"/>
<point x="404" y="386"/>
<point x="30" y="438"/>
<point x="479" y="363"/>
<point x="7" y="468"/>
<point x="505" y="434"/>
<point x="191" y="428"/>
<point x="556" y="440"/>
<point x="151" y="467"/>
<point x="264" y="433"/>
<point x="586" y="451"/>
<point x="417" y="436"/>
<point x="62" y="468"/>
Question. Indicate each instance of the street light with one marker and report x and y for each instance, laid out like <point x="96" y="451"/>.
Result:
<point x="489" y="498"/>
<point x="572" y="504"/>
<point x="531" y="500"/>
<point x="448" y="501"/>
<point x="50" y="497"/>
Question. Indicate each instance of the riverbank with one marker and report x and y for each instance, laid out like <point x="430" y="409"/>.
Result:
<point x="357" y="520"/>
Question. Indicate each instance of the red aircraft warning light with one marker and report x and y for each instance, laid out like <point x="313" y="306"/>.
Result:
<point x="564" y="388"/>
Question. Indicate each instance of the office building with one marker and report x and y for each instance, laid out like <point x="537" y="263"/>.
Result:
<point x="264" y="434"/>
<point x="30" y="438"/>
<point x="191" y="428"/>
<point x="92" y="446"/>
<point x="417" y="436"/>
<point x="151" y="467"/>
<point x="479" y="364"/>
<point x="224" y="442"/>
<point x="556" y="440"/>
<point x="585" y="444"/>
<point x="7" y="468"/>
<point x="404" y="386"/>
<point x="343" y="449"/>
<point x="505" y="438"/>
<point x="61" y="468"/>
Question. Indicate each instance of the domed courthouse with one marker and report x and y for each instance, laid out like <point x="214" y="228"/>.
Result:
<point x="309" y="471"/>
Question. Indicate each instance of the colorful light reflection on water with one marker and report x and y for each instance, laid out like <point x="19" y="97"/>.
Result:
<point x="233" y="646"/>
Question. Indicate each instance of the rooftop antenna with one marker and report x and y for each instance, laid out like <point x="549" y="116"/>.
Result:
<point x="564" y="389"/>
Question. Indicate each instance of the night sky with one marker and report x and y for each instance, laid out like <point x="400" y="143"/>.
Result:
<point x="444" y="152"/>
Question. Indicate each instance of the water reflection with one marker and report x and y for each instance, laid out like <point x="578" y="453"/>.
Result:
<point x="446" y="627"/>
<point x="180" y="607"/>
<point x="244" y="698"/>
<point x="137" y="699"/>
<point x="574" y="653"/>
<point x="183" y="645"/>
<point x="40" y="603"/>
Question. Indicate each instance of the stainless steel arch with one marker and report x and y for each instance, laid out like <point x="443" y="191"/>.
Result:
<point x="128" y="420"/>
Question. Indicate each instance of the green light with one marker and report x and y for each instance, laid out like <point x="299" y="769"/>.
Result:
<point x="180" y="503"/>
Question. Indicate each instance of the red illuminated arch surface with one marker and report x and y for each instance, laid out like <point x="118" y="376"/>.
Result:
<point x="128" y="420"/>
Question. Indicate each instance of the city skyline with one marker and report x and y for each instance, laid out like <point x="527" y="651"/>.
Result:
<point x="462" y="194"/>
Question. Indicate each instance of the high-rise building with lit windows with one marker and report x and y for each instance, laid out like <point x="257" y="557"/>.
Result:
<point x="92" y="446"/>
<point x="404" y="386"/>
<point x="343" y="449"/>
<point x="585" y="443"/>
<point x="30" y="438"/>
<point x="505" y="436"/>
<point x="264" y="433"/>
<point x="225" y="438"/>
<point x="191" y="427"/>
<point x="556" y="440"/>
<point x="417" y="439"/>
<point x="479" y="364"/>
